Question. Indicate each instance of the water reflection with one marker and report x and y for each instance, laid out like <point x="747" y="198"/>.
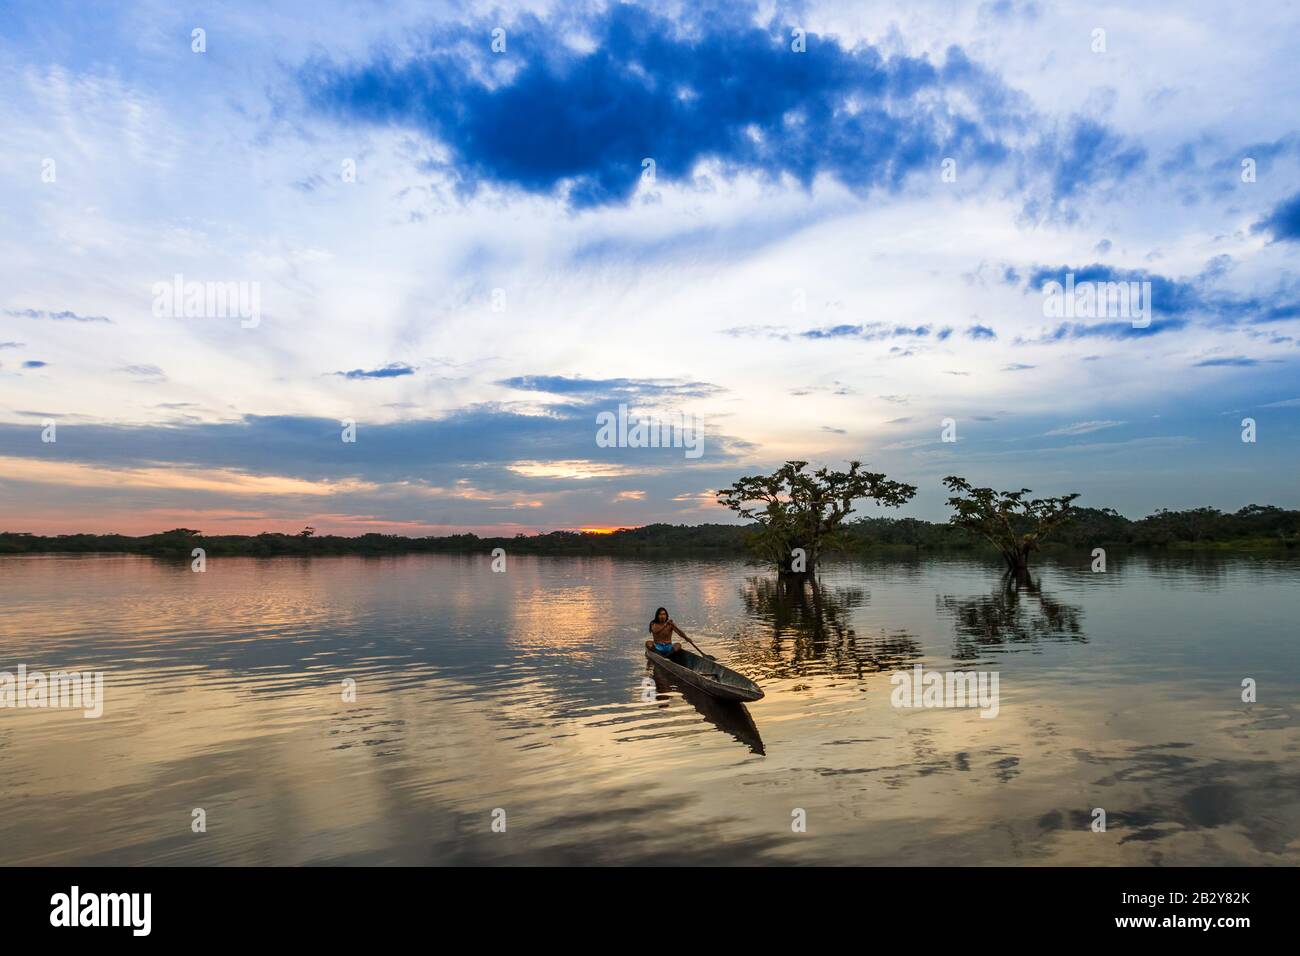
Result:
<point x="1018" y="611"/>
<point x="807" y="628"/>
<point x="728" y="716"/>
<point x="224" y="690"/>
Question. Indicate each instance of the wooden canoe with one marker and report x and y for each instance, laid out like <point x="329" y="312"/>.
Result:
<point x="709" y="676"/>
<point x="729" y="716"/>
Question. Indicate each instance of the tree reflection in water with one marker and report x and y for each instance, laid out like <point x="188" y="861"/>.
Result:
<point x="1018" y="612"/>
<point x="806" y="628"/>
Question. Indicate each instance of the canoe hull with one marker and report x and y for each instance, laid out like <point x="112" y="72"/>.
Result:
<point x="712" y="678"/>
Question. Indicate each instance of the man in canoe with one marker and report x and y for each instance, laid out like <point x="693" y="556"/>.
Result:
<point x="661" y="629"/>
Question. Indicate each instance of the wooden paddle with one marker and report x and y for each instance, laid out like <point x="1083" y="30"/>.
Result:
<point x="700" y="649"/>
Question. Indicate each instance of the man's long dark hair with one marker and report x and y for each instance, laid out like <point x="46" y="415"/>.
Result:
<point x="656" y="620"/>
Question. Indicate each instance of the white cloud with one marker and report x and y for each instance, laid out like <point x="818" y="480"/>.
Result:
<point x="1082" y="428"/>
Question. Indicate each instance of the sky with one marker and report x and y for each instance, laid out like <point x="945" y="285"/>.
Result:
<point x="421" y="248"/>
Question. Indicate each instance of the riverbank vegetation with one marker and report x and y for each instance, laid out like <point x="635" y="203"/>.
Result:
<point x="1256" y="527"/>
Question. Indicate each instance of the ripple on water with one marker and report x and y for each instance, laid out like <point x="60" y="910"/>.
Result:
<point x="529" y="692"/>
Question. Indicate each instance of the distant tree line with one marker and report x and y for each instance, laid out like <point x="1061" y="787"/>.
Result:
<point x="800" y="515"/>
<point x="1252" y="526"/>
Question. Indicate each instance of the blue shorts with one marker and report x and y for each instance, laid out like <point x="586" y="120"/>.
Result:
<point x="664" y="648"/>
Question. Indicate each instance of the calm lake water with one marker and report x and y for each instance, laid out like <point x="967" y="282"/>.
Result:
<point x="527" y="692"/>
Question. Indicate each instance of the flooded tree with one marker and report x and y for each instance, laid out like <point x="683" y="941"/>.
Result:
<point x="799" y="513"/>
<point x="1016" y="525"/>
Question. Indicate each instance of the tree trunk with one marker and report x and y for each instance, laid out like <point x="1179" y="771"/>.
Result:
<point x="786" y="568"/>
<point x="1018" y="562"/>
<point x="794" y="579"/>
<point x="1017" y="559"/>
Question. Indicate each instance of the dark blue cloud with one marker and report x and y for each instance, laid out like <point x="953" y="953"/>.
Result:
<point x="1009" y="10"/>
<point x="1174" y="301"/>
<point x="35" y="364"/>
<point x="866" y="332"/>
<point x="476" y="444"/>
<point x="833" y="332"/>
<point x="64" y="316"/>
<point x="1221" y="177"/>
<point x="1084" y="153"/>
<point x="1217" y="267"/>
<point x="1236" y="360"/>
<point x="1171" y="296"/>
<point x="872" y="331"/>
<point x="980" y="332"/>
<point x="1106" y="330"/>
<point x="1228" y="167"/>
<point x="626" y="387"/>
<point x="1262" y="311"/>
<point x="1284" y="222"/>
<point x="391" y="370"/>
<point x="427" y="471"/>
<point x="548" y="119"/>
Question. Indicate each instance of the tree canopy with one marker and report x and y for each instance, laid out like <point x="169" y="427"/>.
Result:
<point x="1014" y="524"/>
<point x="797" y="509"/>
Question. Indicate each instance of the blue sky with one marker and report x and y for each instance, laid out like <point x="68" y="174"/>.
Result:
<point x="852" y="215"/>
